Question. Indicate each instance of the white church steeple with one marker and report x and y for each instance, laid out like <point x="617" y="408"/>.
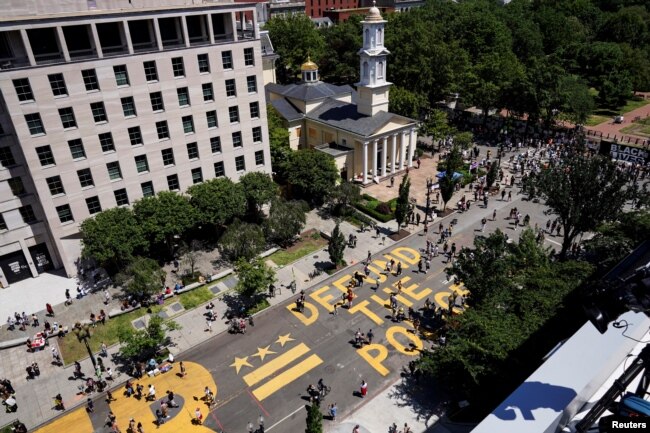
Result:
<point x="372" y="87"/>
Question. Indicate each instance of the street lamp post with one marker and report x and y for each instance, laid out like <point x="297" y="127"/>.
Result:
<point x="83" y="334"/>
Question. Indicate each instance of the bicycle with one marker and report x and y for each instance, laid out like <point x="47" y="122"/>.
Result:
<point x="325" y="390"/>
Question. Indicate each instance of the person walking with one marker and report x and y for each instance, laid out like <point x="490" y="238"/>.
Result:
<point x="399" y="268"/>
<point x="56" y="357"/>
<point x="483" y="223"/>
<point x="183" y="370"/>
<point x="363" y="389"/>
<point x="103" y="350"/>
<point x="198" y="416"/>
<point x="139" y="428"/>
<point x="90" y="406"/>
<point x="49" y="309"/>
<point x="494" y="215"/>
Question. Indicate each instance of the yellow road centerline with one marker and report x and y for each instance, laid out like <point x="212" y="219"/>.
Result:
<point x="286" y="377"/>
<point x="275" y="364"/>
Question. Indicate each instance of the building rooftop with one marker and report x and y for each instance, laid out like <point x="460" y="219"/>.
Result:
<point x="286" y="109"/>
<point x="344" y="115"/>
<point x="309" y="91"/>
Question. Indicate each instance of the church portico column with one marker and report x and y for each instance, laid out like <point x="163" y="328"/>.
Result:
<point x="384" y="152"/>
<point x="412" y="139"/>
<point x="365" y="162"/>
<point x="393" y="156"/>
<point x="374" y="158"/>
<point x="402" y="151"/>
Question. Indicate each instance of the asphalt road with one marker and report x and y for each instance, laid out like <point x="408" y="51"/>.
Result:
<point x="320" y="344"/>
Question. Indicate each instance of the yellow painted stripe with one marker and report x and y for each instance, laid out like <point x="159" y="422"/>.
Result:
<point x="275" y="364"/>
<point x="286" y="377"/>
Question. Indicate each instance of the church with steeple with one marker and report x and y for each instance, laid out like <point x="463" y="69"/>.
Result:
<point x="368" y="142"/>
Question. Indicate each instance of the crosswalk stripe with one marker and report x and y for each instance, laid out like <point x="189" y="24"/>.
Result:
<point x="275" y="364"/>
<point x="286" y="377"/>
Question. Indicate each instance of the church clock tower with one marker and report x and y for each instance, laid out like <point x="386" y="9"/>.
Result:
<point x="373" y="88"/>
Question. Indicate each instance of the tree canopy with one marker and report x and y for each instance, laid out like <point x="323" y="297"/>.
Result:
<point x="491" y="53"/>
<point x="286" y="220"/>
<point x="312" y="174"/>
<point x="112" y="237"/>
<point x="218" y="200"/>
<point x="583" y="192"/>
<point x="259" y="189"/>
<point x="254" y="276"/>
<point x="163" y="216"/>
<point x="242" y="240"/>
<point x="142" y="278"/>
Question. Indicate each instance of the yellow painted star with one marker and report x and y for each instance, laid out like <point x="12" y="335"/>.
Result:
<point x="263" y="351"/>
<point x="283" y="339"/>
<point x="240" y="362"/>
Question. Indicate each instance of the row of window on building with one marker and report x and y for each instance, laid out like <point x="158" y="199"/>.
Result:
<point x="55" y="184"/>
<point x="107" y="143"/>
<point x="58" y="85"/>
<point x="69" y="121"/>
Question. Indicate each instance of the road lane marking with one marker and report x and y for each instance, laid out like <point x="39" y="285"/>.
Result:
<point x="286" y="377"/>
<point x="302" y="407"/>
<point x="275" y="364"/>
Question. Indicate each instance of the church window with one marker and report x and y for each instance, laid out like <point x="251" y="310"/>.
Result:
<point x="380" y="70"/>
<point x="367" y="37"/>
<point x="380" y="37"/>
<point x="365" y="69"/>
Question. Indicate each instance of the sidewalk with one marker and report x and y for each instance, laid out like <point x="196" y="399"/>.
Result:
<point x="35" y="400"/>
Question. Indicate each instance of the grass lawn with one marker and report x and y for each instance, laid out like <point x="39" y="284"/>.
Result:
<point x="261" y="305"/>
<point x="306" y="245"/>
<point x="73" y="350"/>
<point x="194" y="298"/>
<point x="594" y="120"/>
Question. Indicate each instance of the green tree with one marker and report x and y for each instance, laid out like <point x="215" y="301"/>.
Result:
<point x="491" y="175"/>
<point x="259" y="189"/>
<point x="218" y="201"/>
<point x="164" y="216"/>
<point x="141" y="279"/>
<point x="515" y="291"/>
<point x="314" y="419"/>
<point x="340" y="61"/>
<point x="336" y="246"/>
<point x="402" y="205"/>
<point x="436" y="125"/>
<point x="112" y="237"/>
<point x="241" y="240"/>
<point x="295" y="37"/>
<point x="583" y="192"/>
<point x="407" y="103"/>
<point x="447" y="187"/>
<point x="286" y="220"/>
<point x="343" y="196"/>
<point x="575" y="101"/>
<point x="143" y="344"/>
<point x="279" y="143"/>
<point x="464" y="140"/>
<point x="253" y="276"/>
<point x="313" y="174"/>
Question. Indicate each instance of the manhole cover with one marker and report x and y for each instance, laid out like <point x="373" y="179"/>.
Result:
<point x="163" y="315"/>
<point x="176" y="307"/>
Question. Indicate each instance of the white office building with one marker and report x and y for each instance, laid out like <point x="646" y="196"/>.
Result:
<point x="103" y="102"/>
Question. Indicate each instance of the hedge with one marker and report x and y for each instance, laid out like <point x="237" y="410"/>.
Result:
<point x="368" y="207"/>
